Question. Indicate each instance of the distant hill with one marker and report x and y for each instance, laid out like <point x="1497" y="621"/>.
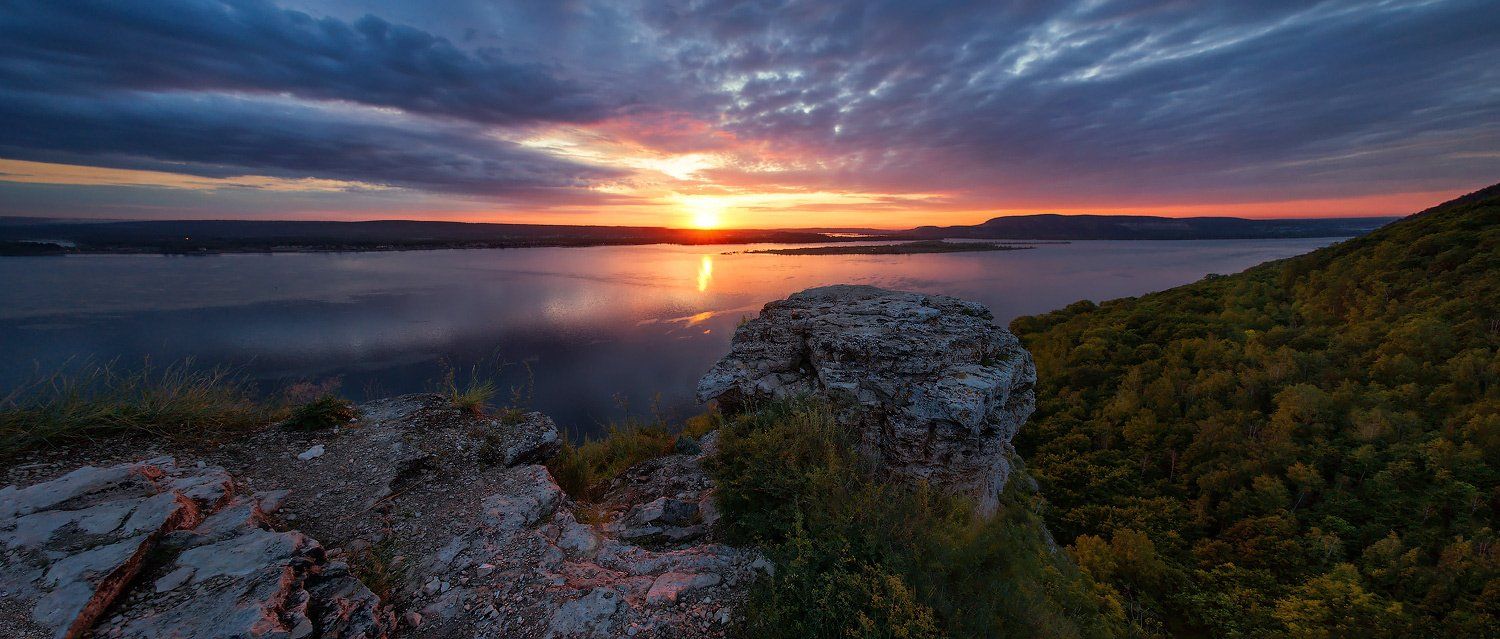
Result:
<point x="1310" y="448"/>
<point x="1146" y="227"/>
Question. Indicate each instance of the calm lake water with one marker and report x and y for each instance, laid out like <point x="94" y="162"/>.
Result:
<point x="603" y="330"/>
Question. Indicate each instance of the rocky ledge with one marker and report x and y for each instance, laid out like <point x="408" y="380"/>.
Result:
<point x="446" y="514"/>
<point x="934" y="387"/>
<point x="421" y="520"/>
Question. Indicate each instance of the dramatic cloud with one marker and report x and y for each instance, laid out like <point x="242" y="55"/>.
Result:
<point x="228" y="136"/>
<point x="253" y="46"/>
<point x="775" y="112"/>
<point x="1108" y="98"/>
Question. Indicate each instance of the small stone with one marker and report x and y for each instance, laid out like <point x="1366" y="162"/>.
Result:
<point x="315" y="451"/>
<point x="413" y="618"/>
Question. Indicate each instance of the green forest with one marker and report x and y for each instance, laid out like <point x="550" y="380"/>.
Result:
<point x="1306" y="449"/>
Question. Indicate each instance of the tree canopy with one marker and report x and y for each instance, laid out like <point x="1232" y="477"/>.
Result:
<point x="1305" y="449"/>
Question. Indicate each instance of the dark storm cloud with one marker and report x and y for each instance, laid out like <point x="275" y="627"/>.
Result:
<point x="219" y="136"/>
<point x="1121" y="97"/>
<point x="89" y="46"/>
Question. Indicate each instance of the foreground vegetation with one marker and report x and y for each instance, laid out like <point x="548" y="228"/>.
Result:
<point x="584" y="470"/>
<point x="187" y="405"/>
<point x="859" y="556"/>
<point x="1306" y="449"/>
<point x="179" y="402"/>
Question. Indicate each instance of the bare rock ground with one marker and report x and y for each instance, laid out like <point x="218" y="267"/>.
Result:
<point x="415" y="520"/>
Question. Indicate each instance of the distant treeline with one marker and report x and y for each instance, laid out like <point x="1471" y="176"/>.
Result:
<point x="1141" y="227"/>
<point x="226" y="236"/>
<point x="40" y="236"/>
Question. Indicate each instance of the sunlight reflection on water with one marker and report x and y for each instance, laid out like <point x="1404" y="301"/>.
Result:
<point x="594" y="323"/>
<point x="705" y="273"/>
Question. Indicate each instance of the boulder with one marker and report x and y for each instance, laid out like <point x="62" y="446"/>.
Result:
<point x="935" y="389"/>
<point x="529" y="438"/>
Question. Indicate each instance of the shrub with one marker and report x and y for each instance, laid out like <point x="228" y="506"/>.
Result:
<point x="324" y="412"/>
<point x="821" y="590"/>
<point x="860" y="555"/>
<point x="379" y="567"/>
<point x="584" y="470"/>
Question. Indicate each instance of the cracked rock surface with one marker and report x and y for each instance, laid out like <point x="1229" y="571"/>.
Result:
<point x="446" y="514"/>
<point x="85" y="547"/>
<point x="934" y="387"/>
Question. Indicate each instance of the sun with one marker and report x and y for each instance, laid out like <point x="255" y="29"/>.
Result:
<point x="703" y="212"/>
<point x="706" y="219"/>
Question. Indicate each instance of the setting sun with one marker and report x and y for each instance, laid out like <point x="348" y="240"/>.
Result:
<point x="703" y="212"/>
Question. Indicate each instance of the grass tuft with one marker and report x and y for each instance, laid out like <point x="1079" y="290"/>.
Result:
<point x="380" y="568"/>
<point x="584" y="471"/>
<point x="474" y="395"/>
<point x="179" y="402"/>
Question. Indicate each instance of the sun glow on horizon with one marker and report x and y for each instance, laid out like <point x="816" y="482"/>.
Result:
<point x="704" y="212"/>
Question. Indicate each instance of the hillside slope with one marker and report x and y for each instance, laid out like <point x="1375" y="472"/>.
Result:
<point x="1309" y="448"/>
<point x="1050" y="226"/>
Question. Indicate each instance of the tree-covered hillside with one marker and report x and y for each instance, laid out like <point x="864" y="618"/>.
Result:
<point x="1310" y="448"/>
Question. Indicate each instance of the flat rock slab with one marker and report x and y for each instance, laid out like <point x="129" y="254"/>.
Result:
<point x="404" y="455"/>
<point x="154" y="549"/>
<point x="233" y="578"/>
<point x="70" y="546"/>
<point x="524" y="566"/>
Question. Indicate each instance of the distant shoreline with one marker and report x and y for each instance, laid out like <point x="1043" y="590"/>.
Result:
<point x="40" y="237"/>
<point x="909" y="248"/>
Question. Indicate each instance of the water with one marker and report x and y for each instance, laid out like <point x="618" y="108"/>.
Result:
<point x="604" y="331"/>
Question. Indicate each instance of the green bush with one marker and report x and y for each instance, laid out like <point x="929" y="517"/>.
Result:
<point x="324" y="412"/>
<point x="858" y="555"/>
<point x="585" y="469"/>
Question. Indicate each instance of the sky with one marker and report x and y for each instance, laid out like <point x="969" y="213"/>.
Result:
<point x="762" y="114"/>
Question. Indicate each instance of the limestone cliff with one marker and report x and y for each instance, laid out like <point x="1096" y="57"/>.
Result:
<point x="935" y="388"/>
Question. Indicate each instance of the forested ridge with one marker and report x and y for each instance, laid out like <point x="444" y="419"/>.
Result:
<point x="1307" y="449"/>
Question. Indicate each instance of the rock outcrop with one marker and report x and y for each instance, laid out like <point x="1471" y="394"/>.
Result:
<point x="935" y="389"/>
